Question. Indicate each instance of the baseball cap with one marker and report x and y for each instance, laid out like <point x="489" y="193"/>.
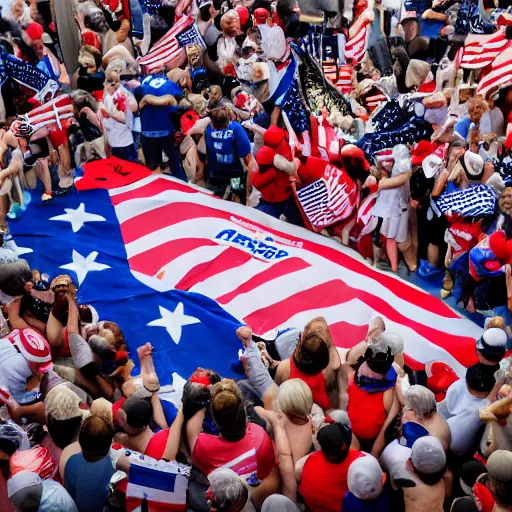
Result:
<point x="25" y="489"/>
<point x="34" y="348"/>
<point x="473" y="162"/>
<point x="365" y="478"/>
<point x="499" y="465"/>
<point x="492" y="343"/>
<point x="388" y="340"/>
<point x="478" y="378"/>
<point x="421" y="150"/>
<point x="465" y="504"/>
<point x="428" y="456"/>
<point x="139" y="412"/>
<point x="261" y="15"/>
<point x="469" y="475"/>
<point x="432" y="165"/>
<point x="352" y="151"/>
<point x="335" y="440"/>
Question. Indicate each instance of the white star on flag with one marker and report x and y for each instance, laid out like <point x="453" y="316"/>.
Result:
<point x="78" y="217"/>
<point x="173" y="321"/>
<point x="82" y="266"/>
<point x="20" y="251"/>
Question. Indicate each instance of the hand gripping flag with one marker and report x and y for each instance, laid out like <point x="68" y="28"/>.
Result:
<point x="178" y="267"/>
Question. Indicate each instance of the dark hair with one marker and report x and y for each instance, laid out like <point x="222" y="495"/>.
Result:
<point x="311" y="354"/>
<point x="63" y="432"/>
<point x="139" y="412"/>
<point x="334" y="440"/>
<point x="430" y="479"/>
<point x="95" y="437"/>
<point x="380" y="362"/>
<point x="220" y="117"/>
<point x="204" y="13"/>
<point x="478" y="378"/>
<point x="502" y="491"/>
<point x="119" y="340"/>
<point x="14" y="276"/>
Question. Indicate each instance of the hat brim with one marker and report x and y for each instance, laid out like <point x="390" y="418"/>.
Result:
<point x="45" y="367"/>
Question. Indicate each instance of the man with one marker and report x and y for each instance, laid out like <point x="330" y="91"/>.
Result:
<point x="157" y="125"/>
<point x="322" y="475"/>
<point x="28" y="493"/>
<point x="499" y="467"/>
<point x="460" y="407"/>
<point x="227" y="144"/>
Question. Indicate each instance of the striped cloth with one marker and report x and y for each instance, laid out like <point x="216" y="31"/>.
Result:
<point x="357" y="40"/>
<point x="473" y="201"/>
<point x="328" y="200"/>
<point x="481" y="50"/>
<point x="344" y="83"/>
<point x="500" y="74"/>
<point x="167" y="51"/>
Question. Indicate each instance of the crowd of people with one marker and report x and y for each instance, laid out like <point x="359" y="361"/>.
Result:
<point x="386" y="126"/>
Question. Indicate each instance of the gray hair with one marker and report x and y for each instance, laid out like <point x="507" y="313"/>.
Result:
<point x="227" y="488"/>
<point x="387" y="340"/>
<point x="421" y="401"/>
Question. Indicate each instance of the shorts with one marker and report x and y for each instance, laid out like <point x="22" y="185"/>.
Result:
<point x="396" y="227"/>
<point x="128" y="153"/>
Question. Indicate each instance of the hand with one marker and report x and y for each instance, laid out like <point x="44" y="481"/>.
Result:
<point x="244" y="334"/>
<point x="142" y="103"/>
<point x="370" y="181"/>
<point x="144" y="351"/>
<point x="414" y="204"/>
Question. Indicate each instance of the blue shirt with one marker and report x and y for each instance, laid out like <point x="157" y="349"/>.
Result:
<point x="380" y="504"/>
<point x="87" y="482"/>
<point x="225" y="148"/>
<point x="156" y="121"/>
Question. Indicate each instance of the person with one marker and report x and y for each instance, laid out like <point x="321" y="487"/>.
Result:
<point x="242" y="445"/>
<point x="460" y="408"/>
<point x="420" y="406"/>
<point x="28" y="493"/>
<point x="229" y="491"/>
<point x="85" y="466"/>
<point x="372" y="401"/>
<point x="366" y="492"/>
<point x="226" y="144"/>
<point x="322" y="475"/>
<point x="499" y="468"/>
<point x="428" y="467"/>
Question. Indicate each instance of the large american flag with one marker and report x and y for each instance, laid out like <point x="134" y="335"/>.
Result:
<point x="500" y="74"/>
<point x="174" y="265"/>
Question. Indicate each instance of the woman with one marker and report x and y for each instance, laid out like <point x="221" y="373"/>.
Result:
<point x="294" y="400"/>
<point x="243" y="446"/>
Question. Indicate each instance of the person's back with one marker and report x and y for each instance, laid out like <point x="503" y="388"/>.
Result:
<point x="427" y="498"/>
<point x="87" y="473"/>
<point x="324" y="484"/>
<point x="87" y="482"/>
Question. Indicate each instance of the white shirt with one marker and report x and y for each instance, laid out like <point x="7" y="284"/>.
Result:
<point x="460" y="410"/>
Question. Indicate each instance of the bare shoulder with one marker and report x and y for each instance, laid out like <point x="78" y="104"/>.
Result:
<point x="283" y="372"/>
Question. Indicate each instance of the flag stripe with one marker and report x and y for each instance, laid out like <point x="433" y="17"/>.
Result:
<point x="230" y="258"/>
<point x="275" y="271"/>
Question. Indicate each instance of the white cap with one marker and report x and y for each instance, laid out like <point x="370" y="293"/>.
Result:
<point x="428" y="455"/>
<point x="474" y="163"/>
<point x="432" y="165"/>
<point x="365" y="478"/>
<point x="388" y="340"/>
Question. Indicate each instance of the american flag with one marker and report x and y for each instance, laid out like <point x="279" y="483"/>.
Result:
<point x="500" y="74"/>
<point x="167" y="51"/>
<point x="481" y="50"/>
<point x="355" y="47"/>
<point x="329" y="199"/>
<point x="177" y="266"/>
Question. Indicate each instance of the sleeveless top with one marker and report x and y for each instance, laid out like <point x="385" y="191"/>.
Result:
<point x="87" y="482"/>
<point x="365" y="410"/>
<point x="315" y="382"/>
<point x="324" y="484"/>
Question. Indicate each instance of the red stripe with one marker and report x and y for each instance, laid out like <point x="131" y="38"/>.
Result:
<point x="337" y="292"/>
<point x="160" y="218"/>
<point x="275" y="271"/>
<point x="399" y="288"/>
<point x="152" y="189"/>
<point x="151" y="261"/>
<point x="347" y="335"/>
<point x="228" y="259"/>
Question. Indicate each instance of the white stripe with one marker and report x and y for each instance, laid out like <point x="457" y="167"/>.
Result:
<point x="178" y="497"/>
<point x="134" y="186"/>
<point x="240" y="458"/>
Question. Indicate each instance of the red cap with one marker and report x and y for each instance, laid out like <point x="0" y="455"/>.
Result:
<point x="33" y="346"/>
<point x="91" y="39"/>
<point x="261" y="15"/>
<point x="273" y="137"/>
<point x="188" y="120"/>
<point x="243" y="14"/>
<point x="421" y="150"/>
<point x="34" y="31"/>
<point x="352" y="151"/>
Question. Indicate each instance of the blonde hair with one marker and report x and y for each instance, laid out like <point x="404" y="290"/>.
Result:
<point x="295" y="399"/>
<point x="103" y="408"/>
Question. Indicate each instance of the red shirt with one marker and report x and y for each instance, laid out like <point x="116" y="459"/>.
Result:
<point x="365" y="410"/>
<point x="252" y="456"/>
<point x="324" y="484"/>
<point x="315" y="382"/>
<point x="156" y="445"/>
